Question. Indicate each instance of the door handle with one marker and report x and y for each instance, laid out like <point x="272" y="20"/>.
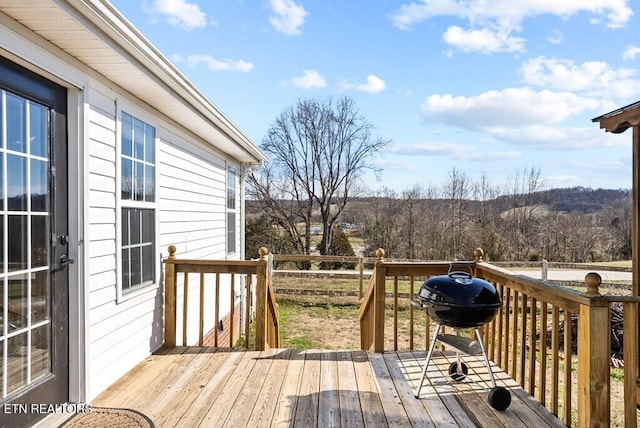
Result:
<point x="65" y="261"/>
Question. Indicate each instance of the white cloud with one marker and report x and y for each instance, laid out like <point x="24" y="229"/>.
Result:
<point x="453" y="150"/>
<point x="214" y="64"/>
<point x="592" y="78"/>
<point x="555" y="37"/>
<point x="492" y="23"/>
<point x="523" y="117"/>
<point x="631" y="52"/>
<point x="288" y="17"/>
<point x="413" y="13"/>
<point x="508" y="108"/>
<point x="557" y="137"/>
<point x="310" y="79"/>
<point x="563" y="180"/>
<point x="482" y="40"/>
<point x="373" y="85"/>
<point x="509" y="13"/>
<point x="406" y="92"/>
<point x="428" y="149"/>
<point x="179" y="13"/>
<point x="395" y="164"/>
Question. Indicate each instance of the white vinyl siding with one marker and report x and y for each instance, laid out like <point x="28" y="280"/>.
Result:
<point x="121" y="332"/>
<point x="191" y="209"/>
<point x="102" y="193"/>
<point x="191" y="214"/>
<point x="191" y="200"/>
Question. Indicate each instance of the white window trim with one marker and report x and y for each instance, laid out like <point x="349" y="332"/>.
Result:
<point x="139" y="114"/>
<point x="234" y="210"/>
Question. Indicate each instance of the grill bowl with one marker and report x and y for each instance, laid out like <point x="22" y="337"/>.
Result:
<point x="459" y="300"/>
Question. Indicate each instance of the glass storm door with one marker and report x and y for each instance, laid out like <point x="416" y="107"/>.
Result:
<point x="33" y="244"/>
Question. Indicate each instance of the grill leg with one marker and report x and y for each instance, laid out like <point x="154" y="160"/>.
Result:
<point x="429" y="354"/>
<point x="486" y="359"/>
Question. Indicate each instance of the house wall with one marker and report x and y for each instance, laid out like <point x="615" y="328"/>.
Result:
<point x="116" y="332"/>
<point x="191" y="201"/>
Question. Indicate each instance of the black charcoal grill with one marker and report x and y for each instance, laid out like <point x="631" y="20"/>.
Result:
<point x="461" y="301"/>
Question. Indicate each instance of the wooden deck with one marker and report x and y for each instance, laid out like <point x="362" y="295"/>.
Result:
<point x="208" y="387"/>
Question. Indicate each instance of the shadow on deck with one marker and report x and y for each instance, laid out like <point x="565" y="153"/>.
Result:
<point x="190" y="386"/>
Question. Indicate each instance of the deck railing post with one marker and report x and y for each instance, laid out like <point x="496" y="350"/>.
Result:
<point x="170" y="300"/>
<point x="478" y="255"/>
<point x="630" y="340"/>
<point x="378" y="302"/>
<point x="273" y="327"/>
<point x="594" y="341"/>
<point x="261" y="301"/>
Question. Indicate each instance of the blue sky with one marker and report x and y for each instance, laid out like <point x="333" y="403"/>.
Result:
<point x="487" y="87"/>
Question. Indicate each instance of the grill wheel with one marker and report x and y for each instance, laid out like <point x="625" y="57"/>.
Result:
<point x="499" y="398"/>
<point x="456" y="375"/>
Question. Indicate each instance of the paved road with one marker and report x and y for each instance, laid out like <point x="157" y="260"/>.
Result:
<point x="576" y="275"/>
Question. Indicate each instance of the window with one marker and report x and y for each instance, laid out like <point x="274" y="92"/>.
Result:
<point x="138" y="198"/>
<point x="231" y="210"/>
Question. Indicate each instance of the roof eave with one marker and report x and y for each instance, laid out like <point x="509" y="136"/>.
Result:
<point x="102" y="14"/>
<point x="620" y="120"/>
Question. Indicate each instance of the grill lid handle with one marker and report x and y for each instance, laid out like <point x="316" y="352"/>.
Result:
<point x="462" y="278"/>
<point x="460" y="274"/>
<point x="466" y="265"/>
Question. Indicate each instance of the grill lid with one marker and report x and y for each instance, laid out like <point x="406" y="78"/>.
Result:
<point x="459" y="300"/>
<point x="459" y="289"/>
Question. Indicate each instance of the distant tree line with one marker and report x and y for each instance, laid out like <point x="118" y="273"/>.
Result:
<point x="515" y="222"/>
<point x="518" y="221"/>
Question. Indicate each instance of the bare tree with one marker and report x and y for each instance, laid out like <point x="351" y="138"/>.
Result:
<point x="317" y="151"/>
<point x="279" y="200"/>
<point x="382" y="224"/>
<point x="616" y="218"/>
<point x="456" y="192"/>
<point x="487" y="220"/>
<point x="523" y="206"/>
<point x="411" y="200"/>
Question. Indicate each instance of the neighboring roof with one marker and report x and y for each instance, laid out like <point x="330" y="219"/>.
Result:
<point x="621" y="119"/>
<point x="95" y="33"/>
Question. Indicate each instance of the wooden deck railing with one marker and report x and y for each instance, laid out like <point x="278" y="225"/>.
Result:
<point x="266" y="309"/>
<point x="367" y="312"/>
<point x="532" y="336"/>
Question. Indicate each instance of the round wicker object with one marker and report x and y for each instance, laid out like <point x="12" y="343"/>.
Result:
<point x="106" y="417"/>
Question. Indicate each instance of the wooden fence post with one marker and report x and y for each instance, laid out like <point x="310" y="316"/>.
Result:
<point x="594" y="339"/>
<point x="361" y="268"/>
<point x="170" y="300"/>
<point x="378" y="302"/>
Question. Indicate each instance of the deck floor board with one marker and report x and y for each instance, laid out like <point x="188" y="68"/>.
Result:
<point x="205" y="387"/>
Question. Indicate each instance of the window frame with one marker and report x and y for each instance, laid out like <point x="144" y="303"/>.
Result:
<point x="231" y="209"/>
<point x="124" y="294"/>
